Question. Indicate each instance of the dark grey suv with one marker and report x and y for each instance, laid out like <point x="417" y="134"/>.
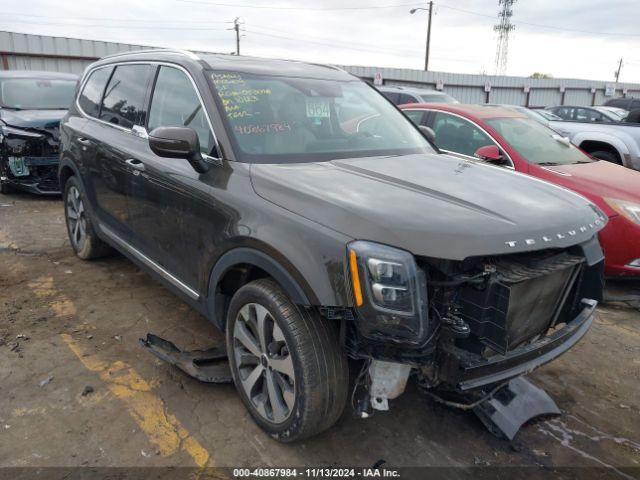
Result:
<point x="304" y="215"/>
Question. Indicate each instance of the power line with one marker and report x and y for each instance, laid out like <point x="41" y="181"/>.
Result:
<point x="348" y="46"/>
<point x="130" y="27"/>
<point x="314" y="9"/>
<point x="110" y="19"/>
<point x="550" y="27"/>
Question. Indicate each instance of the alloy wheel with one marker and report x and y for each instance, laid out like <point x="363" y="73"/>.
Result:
<point x="263" y="362"/>
<point x="76" y="218"/>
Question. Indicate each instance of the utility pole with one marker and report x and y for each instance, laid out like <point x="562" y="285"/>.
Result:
<point x="426" y="55"/>
<point x="236" y="27"/>
<point x="618" y="71"/>
<point x="503" y="28"/>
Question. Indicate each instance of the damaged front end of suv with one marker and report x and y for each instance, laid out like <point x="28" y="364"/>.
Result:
<point x="31" y="107"/>
<point x="467" y="328"/>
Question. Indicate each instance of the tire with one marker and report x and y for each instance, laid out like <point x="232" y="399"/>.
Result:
<point x="82" y="235"/>
<point x="607" y="156"/>
<point x="297" y="342"/>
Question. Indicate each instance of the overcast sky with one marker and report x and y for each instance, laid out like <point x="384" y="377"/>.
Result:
<point x="574" y="38"/>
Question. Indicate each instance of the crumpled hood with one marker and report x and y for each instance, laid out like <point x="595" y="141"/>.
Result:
<point x="40" y="119"/>
<point x="431" y="205"/>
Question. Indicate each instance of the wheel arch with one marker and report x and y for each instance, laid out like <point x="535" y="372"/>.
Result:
<point x="592" y="143"/>
<point x="240" y="265"/>
<point x="66" y="170"/>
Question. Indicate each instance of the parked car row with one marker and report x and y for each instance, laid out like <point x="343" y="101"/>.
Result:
<point x="311" y="221"/>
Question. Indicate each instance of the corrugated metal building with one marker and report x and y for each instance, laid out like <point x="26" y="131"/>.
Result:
<point x="39" y="52"/>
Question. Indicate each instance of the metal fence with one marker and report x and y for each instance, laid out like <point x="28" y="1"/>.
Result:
<point x="19" y="51"/>
<point x="531" y="92"/>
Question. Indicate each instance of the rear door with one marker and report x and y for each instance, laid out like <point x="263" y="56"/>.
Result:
<point x="116" y="133"/>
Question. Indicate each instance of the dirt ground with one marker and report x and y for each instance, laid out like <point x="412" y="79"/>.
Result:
<point x="76" y="389"/>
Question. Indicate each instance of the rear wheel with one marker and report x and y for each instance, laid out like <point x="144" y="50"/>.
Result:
<point x="83" y="238"/>
<point x="287" y="364"/>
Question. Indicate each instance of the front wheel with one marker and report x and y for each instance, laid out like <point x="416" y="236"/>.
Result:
<point x="287" y="364"/>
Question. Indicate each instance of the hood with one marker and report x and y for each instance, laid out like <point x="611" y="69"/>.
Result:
<point x="598" y="180"/>
<point x="431" y="204"/>
<point x="40" y="119"/>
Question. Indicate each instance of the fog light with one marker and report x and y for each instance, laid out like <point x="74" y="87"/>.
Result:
<point x="634" y="264"/>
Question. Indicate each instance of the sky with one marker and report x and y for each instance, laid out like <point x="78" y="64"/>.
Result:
<point x="570" y="39"/>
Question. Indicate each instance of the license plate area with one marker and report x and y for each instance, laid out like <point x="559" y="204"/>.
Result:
<point x="18" y="167"/>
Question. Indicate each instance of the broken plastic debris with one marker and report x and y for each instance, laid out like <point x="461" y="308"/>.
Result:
<point x="46" y="381"/>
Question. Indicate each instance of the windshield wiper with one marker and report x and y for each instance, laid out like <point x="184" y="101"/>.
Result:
<point x="548" y="164"/>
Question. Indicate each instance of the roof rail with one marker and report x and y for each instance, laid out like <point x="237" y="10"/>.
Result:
<point x="186" y="53"/>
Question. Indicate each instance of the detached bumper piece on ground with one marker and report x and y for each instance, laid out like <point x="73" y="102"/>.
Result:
<point x="503" y="411"/>
<point x="208" y="366"/>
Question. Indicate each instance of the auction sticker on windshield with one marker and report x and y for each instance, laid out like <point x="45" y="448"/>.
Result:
<point x="318" y="108"/>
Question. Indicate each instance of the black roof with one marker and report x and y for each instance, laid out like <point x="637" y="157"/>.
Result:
<point x="219" y="61"/>
<point x="37" y="74"/>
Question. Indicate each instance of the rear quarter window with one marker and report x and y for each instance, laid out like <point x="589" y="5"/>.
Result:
<point x="91" y="95"/>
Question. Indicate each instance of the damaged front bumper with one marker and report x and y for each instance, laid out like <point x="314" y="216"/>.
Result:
<point x="29" y="158"/>
<point x="32" y="174"/>
<point x="465" y="371"/>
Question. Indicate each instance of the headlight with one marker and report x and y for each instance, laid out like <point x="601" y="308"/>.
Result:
<point x="630" y="210"/>
<point x="389" y="291"/>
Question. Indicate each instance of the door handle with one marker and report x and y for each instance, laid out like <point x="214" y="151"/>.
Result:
<point x="135" y="164"/>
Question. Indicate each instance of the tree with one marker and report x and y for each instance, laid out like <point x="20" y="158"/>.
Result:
<point x="541" y="75"/>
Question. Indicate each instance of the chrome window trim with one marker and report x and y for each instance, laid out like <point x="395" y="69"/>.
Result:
<point x="150" y="263"/>
<point x="139" y="130"/>
<point x="512" y="166"/>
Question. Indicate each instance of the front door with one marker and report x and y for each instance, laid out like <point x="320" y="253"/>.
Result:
<point x="172" y="206"/>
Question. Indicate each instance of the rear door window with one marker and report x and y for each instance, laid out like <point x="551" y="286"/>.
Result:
<point x="89" y="99"/>
<point x="175" y="103"/>
<point x="123" y="101"/>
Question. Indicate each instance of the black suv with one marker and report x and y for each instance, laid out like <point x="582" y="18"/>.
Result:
<point x="304" y="215"/>
<point x="31" y="107"/>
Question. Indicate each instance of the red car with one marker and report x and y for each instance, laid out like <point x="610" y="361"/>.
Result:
<point x="509" y="139"/>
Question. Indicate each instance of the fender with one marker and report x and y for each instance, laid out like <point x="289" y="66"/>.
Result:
<point x="619" y="142"/>
<point x="251" y="256"/>
<point x="67" y="162"/>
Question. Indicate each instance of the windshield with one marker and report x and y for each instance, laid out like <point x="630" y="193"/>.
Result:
<point x="275" y="119"/>
<point x="437" y="98"/>
<point x="36" y="93"/>
<point x="537" y="143"/>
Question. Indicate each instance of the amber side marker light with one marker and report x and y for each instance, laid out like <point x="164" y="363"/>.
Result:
<point x="355" y="277"/>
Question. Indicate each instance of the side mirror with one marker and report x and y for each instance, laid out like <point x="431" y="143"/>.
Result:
<point x="428" y="133"/>
<point x="178" y="142"/>
<point x="489" y="153"/>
